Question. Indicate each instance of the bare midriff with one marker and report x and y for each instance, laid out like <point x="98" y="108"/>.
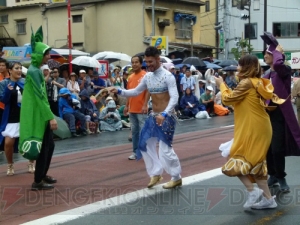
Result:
<point x="160" y="101"/>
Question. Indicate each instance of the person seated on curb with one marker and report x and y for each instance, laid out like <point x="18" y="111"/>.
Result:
<point x="189" y="103"/>
<point x="97" y="84"/>
<point x="207" y="99"/>
<point x="124" y="118"/>
<point x="110" y="119"/>
<point x="70" y="112"/>
<point x="90" y="111"/>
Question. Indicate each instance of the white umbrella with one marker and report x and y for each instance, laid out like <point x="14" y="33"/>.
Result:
<point x="101" y="55"/>
<point x="86" y="61"/>
<point x="262" y="62"/>
<point x="117" y="56"/>
<point x="24" y="70"/>
<point x="165" y="59"/>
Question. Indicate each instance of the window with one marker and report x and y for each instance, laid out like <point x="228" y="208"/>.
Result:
<point x="4" y="19"/>
<point x="77" y="18"/>
<point x="21" y="27"/>
<point x="251" y="30"/>
<point x="183" y="29"/>
<point x="286" y="30"/>
<point x="183" y="25"/>
<point x="78" y="45"/>
<point x="207" y="6"/>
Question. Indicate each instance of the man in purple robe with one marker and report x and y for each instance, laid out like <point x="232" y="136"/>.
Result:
<point x="286" y="132"/>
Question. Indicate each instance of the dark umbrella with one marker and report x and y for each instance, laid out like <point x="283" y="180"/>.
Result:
<point x="177" y="61"/>
<point x="228" y="62"/>
<point x="230" y="68"/>
<point x="195" y="61"/>
<point x="212" y="65"/>
<point x="177" y="54"/>
<point x="75" y="68"/>
<point x="181" y="65"/>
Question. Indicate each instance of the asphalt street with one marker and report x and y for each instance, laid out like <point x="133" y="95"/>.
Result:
<point x="106" y="139"/>
<point x="214" y="201"/>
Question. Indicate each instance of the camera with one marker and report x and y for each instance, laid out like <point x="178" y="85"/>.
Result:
<point x="111" y="115"/>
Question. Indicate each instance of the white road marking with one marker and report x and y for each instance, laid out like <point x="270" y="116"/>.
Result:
<point x="89" y="209"/>
<point x="227" y="126"/>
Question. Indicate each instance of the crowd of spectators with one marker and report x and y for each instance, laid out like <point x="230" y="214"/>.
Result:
<point x="197" y="91"/>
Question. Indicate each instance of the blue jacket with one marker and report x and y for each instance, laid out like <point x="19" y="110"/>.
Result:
<point x="5" y="98"/>
<point x="191" y="99"/>
<point x="65" y="105"/>
<point x="87" y="106"/>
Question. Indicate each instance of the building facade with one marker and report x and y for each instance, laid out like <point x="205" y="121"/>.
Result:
<point x="282" y="20"/>
<point x="116" y="25"/>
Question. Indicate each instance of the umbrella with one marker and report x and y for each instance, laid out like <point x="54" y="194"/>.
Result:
<point x="212" y="65"/>
<point x="101" y="55"/>
<point x="262" y="62"/>
<point x="194" y="61"/>
<point x="53" y="63"/>
<point x="63" y="130"/>
<point x="86" y="61"/>
<point x="177" y="61"/>
<point x="65" y="66"/>
<point x="181" y="65"/>
<point x="167" y="65"/>
<point x="176" y="54"/>
<point x="165" y="59"/>
<point x="117" y="56"/>
<point x="24" y="70"/>
<point x="228" y="62"/>
<point x="230" y="68"/>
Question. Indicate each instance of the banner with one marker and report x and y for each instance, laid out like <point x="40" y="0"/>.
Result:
<point x="221" y="39"/>
<point x="295" y="60"/>
<point x="20" y="54"/>
<point x="161" y="43"/>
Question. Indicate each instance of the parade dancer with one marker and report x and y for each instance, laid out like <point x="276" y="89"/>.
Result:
<point x="286" y="132"/>
<point x="247" y="158"/>
<point x="160" y="125"/>
<point x="37" y="121"/>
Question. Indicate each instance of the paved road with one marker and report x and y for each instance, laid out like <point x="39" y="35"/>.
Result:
<point x="214" y="201"/>
<point x="88" y="164"/>
<point x="107" y="139"/>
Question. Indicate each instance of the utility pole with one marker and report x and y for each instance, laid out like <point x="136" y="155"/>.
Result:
<point x="192" y="40"/>
<point x="265" y="21"/>
<point x="226" y="27"/>
<point x="153" y="18"/>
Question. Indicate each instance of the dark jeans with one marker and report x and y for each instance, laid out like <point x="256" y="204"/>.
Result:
<point x="54" y="107"/>
<point x="71" y="119"/>
<point x="276" y="156"/>
<point x="43" y="161"/>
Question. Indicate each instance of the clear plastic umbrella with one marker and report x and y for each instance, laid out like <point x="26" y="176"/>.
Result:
<point x="86" y="61"/>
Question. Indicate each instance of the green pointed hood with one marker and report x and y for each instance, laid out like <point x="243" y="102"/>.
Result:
<point x="38" y="47"/>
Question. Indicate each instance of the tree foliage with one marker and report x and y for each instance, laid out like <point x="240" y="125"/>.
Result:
<point x="242" y="48"/>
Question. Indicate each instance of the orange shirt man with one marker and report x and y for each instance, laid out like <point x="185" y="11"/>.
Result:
<point x="136" y="106"/>
<point x="3" y="75"/>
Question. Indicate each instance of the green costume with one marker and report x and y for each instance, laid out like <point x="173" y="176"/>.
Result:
<point x="35" y="110"/>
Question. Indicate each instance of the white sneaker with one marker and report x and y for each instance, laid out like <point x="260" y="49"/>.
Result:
<point x="31" y="167"/>
<point x="132" y="157"/>
<point x="10" y="169"/>
<point x="265" y="203"/>
<point x="253" y="196"/>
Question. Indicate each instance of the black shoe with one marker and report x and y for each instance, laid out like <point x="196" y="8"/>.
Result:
<point x="84" y="133"/>
<point x="41" y="186"/>
<point x="75" y="134"/>
<point x="283" y="185"/>
<point x="272" y="181"/>
<point x="49" y="180"/>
